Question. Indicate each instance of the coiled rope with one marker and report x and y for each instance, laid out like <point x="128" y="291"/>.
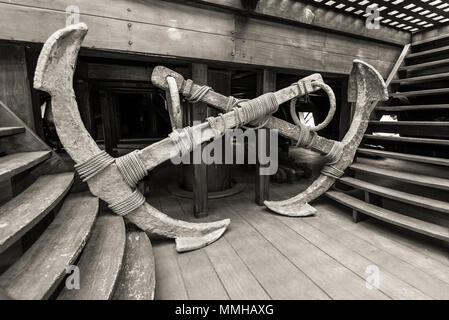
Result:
<point x="130" y="166"/>
<point x="332" y="157"/>
<point x="183" y="140"/>
<point x="197" y="95"/>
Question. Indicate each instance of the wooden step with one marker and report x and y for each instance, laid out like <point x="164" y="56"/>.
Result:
<point x="101" y="260"/>
<point x="423" y="227"/>
<point x="424" y="65"/>
<point x="428" y="78"/>
<point x="413" y="107"/>
<point x="408" y="177"/>
<point x="404" y="156"/>
<point x="397" y="195"/>
<point x="9" y="131"/>
<point x="441" y="142"/>
<point x="16" y="163"/>
<point x="21" y="213"/>
<point x="411" y="123"/>
<point x="430" y="40"/>
<point x="435" y="51"/>
<point x="417" y="93"/>
<point x="39" y="271"/>
<point x="137" y="280"/>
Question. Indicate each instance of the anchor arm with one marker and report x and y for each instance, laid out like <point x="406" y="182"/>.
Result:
<point x="54" y="74"/>
<point x="366" y="88"/>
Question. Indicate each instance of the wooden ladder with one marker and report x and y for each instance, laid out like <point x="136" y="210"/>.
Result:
<point x="402" y="177"/>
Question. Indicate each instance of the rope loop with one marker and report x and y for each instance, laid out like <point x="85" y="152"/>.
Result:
<point x="335" y="153"/>
<point x="132" y="168"/>
<point x="128" y="204"/>
<point x="183" y="140"/>
<point x="198" y="94"/>
<point x="332" y="171"/>
<point x="91" y="167"/>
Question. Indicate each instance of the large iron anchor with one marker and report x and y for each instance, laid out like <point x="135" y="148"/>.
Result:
<point x="366" y="88"/>
<point x="54" y="74"/>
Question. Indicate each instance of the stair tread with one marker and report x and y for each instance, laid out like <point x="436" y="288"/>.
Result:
<point x="411" y="123"/>
<point x="9" y="131"/>
<point x="428" y="52"/>
<point x="413" y="107"/>
<point x="430" y="77"/>
<point x="408" y="139"/>
<point x="21" y="213"/>
<point x="38" y="272"/>
<point x="419" y="92"/>
<point x="429" y="40"/>
<point x="101" y="260"/>
<point x="392" y="217"/>
<point x="424" y="65"/>
<point x="405" y="156"/>
<point x="15" y="163"/>
<point x="137" y="280"/>
<point x="413" y="178"/>
<point x="397" y="195"/>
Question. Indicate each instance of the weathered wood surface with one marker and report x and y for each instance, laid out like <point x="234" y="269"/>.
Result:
<point x="315" y="16"/>
<point x="24" y="211"/>
<point x="180" y="30"/>
<point x="16" y="163"/>
<point x="9" y="131"/>
<point x="199" y="114"/>
<point x="101" y="260"/>
<point x="413" y="178"/>
<point x="420" y="226"/>
<point x="15" y="88"/>
<point x="137" y="280"/>
<point x="38" y="272"/>
<point x="266" y="83"/>
<point x="404" y="156"/>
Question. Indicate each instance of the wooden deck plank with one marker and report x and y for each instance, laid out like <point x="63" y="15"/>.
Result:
<point x="280" y="278"/>
<point x="101" y="260"/>
<point x="169" y="281"/>
<point x="334" y="278"/>
<point x="383" y="241"/>
<point x="199" y="276"/>
<point x="391" y="285"/>
<point x="235" y="276"/>
<point x="429" y="285"/>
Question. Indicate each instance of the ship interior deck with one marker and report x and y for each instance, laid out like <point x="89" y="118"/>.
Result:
<point x="264" y="255"/>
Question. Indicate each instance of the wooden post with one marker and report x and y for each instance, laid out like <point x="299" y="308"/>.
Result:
<point x="106" y="116"/>
<point x="199" y="113"/>
<point x="266" y="82"/>
<point x="345" y="110"/>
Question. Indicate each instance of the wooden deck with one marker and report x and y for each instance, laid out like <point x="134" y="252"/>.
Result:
<point x="266" y="256"/>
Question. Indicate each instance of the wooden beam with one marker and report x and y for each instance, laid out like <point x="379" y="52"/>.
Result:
<point x="199" y="113"/>
<point x="115" y="72"/>
<point x="266" y="83"/>
<point x="198" y="33"/>
<point x="313" y="15"/>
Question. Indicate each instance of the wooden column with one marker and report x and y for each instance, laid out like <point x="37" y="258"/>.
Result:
<point x="266" y="82"/>
<point x="107" y="119"/>
<point x="345" y="110"/>
<point x="199" y="113"/>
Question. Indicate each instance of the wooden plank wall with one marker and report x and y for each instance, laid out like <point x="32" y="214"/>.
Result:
<point x="161" y="28"/>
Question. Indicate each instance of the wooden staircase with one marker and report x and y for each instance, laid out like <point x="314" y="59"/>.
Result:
<point x="401" y="172"/>
<point x="46" y="229"/>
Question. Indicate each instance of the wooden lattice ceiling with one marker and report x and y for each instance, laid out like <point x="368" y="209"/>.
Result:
<point x="413" y="16"/>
